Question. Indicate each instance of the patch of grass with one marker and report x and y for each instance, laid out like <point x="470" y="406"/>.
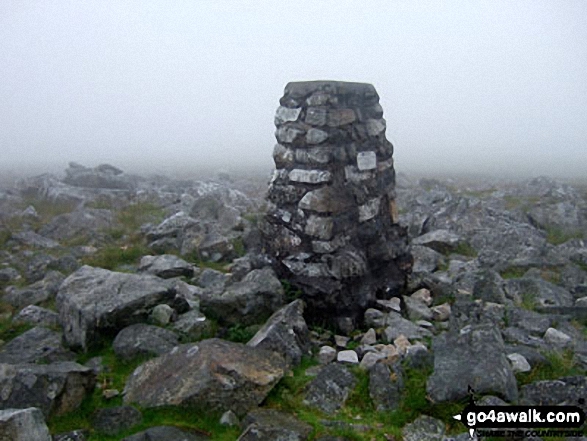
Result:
<point x="528" y="301"/>
<point x="8" y="329"/>
<point x="133" y="216"/>
<point x="113" y="256"/>
<point x="464" y="249"/>
<point x="291" y="292"/>
<point x="239" y="246"/>
<point x="253" y="218"/>
<point x="520" y="202"/>
<point x="513" y="272"/>
<point x="241" y="334"/>
<point x="5" y="236"/>
<point x="559" y="365"/>
<point x="557" y="236"/>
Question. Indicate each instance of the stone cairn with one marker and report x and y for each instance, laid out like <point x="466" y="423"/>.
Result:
<point x="331" y="226"/>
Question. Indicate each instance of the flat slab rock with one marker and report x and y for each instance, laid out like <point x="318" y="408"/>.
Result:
<point x="93" y="301"/>
<point x="37" y="345"/>
<point x="143" y="340"/>
<point x="269" y="424"/>
<point x="23" y="425"/>
<point x="330" y="389"/>
<point x="214" y="374"/>
<point x="476" y="358"/>
<point x="55" y="388"/>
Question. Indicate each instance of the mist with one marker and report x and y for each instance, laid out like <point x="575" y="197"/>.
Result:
<point x="488" y="87"/>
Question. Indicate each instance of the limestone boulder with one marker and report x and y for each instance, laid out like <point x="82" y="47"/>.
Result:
<point x="252" y="300"/>
<point x="55" y="388"/>
<point x="93" y="302"/>
<point x="213" y="374"/>
<point x="286" y="333"/>
<point x="23" y="425"/>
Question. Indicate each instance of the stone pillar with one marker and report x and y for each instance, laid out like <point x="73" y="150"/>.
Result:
<point x="331" y="226"/>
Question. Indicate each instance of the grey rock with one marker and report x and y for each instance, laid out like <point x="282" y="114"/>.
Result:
<point x="247" y="302"/>
<point x="9" y="275"/>
<point x="166" y="266"/>
<point x="326" y="355"/>
<point x="142" y="340"/>
<point x="473" y="358"/>
<point x="162" y="314"/>
<point x="37" y="316"/>
<point x="283" y="115"/>
<point x="167" y="433"/>
<point x="442" y="241"/>
<point x="37" y="345"/>
<point x="557" y="338"/>
<point x="531" y="321"/>
<point x="489" y="287"/>
<point x="424" y="428"/>
<point x="330" y="389"/>
<point x="36" y="293"/>
<point x="55" y="388"/>
<point x="286" y="333"/>
<point x="370" y="359"/>
<point x="370" y="337"/>
<point x="213" y="374"/>
<point x="193" y="325"/>
<point x="416" y="309"/>
<point x="229" y="418"/>
<point x="418" y="357"/>
<point x="95" y="300"/>
<point x="347" y="357"/>
<point x="210" y="278"/>
<point x="316" y="136"/>
<point x="386" y="385"/>
<point x="23" y="425"/>
<point x="564" y="391"/>
<point x="74" y="435"/>
<point x="84" y="222"/>
<point x="519" y="363"/>
<point x="398" y="325"/>
<point x="270" y="424"/>
<point x="32" y="239"/>
<point x="113" y="420"/>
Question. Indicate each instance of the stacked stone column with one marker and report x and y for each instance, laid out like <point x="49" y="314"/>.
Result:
<point x="332" y="223"/>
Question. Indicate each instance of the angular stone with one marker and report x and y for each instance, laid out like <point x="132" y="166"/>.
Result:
<point x="325" y="200"/>
<point x="166" y="266"/>
<point x="283" y="115"/>
<point x="287" y="135"/>
<point x="398" y="325"/>
<point x="326" y="355"/>
<point x="310" y="176"/>
<point x="424" y="428"/>
<point x="348" y="356"/>
<point x="320" y="227"/>
<point x="369" y="210"/>
<point x="166" y="433"/>
<point x="341" y="117"/>
<point x="316" y="136"/>
<point x="286" y="333"/>
<point x="143" y="340"/>
<point x="423" y="295"/>
<point x="370" y="337"/>
<point x="316" y="116"/>
<point x="23" y="425"/>
<point x="442" y="241"/>
<point x="366" y="161"/>
<point x="270" y="424"/>
<point x="318" y="155"/>
<point x="212" y="374"/>
<point x="55" y="388"/>
<point x="37" y="345"/>
<point x="385" y="387"/>
<point x="370" y="359"/>
<point x="475" y="358"/>
<point x="375" y="127"/>
<point x="557" y="338"/>
<point x="327" y="247"/>
<point x="282" y="155"/>
<point x="113" y="420"/>
<point x="354" y="175"/>
<point x="519" y="363"/>
<point x="330" y="389"/>
<point x="35" y="315"/>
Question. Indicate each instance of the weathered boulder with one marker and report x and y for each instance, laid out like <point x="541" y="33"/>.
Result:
<point x="212" y="374"/>
<point x="35" y="293"/>
<point x="95" y="301"/>
<point x="330" y="389"/>
<point x="441" y="241"/>
<point x="386" y="386"/>
<point x="564" y="391"/>
<point x="102" y="176"/>
<point x="252" y="300"/>
<point x="143" y="340"/>
<point x="474" y="357"/>
<point x="270" y="424"/>
<point x="37" y="316"/>
<point x="166" y="266"/>
<point x="82" y="222"/>
<point x="23" y="425"/>
<point x="332" y="223"/>
<point x="424" y="428"/>
<point x="541" y="292"/>
<point x="37" y="345"/>
<point x="55" y="388"/>
<point x="286" y="333"/>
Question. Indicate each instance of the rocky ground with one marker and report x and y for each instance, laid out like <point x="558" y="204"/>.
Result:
<point x="143" y="309"/>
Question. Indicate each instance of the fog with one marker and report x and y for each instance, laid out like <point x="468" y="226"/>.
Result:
<point x="492" y="87"/>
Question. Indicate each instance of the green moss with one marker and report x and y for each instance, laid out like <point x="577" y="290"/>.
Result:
<point x="513" y="272"/>
<point x="528" y="301"/>
<point x="113" y="256"/>
<point x="241" y="334"/>
<point x="291" y="292"/>
<point x="239" y="246"/>
<point x="557" y="236"/>
<point x="559" y="364"/>
<point x="464" y="249"/>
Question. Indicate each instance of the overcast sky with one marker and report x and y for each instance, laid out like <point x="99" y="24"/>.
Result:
<point x="483" y="86"/>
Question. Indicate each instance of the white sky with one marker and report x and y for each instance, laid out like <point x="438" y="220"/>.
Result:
<point x="480" y="86"/>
